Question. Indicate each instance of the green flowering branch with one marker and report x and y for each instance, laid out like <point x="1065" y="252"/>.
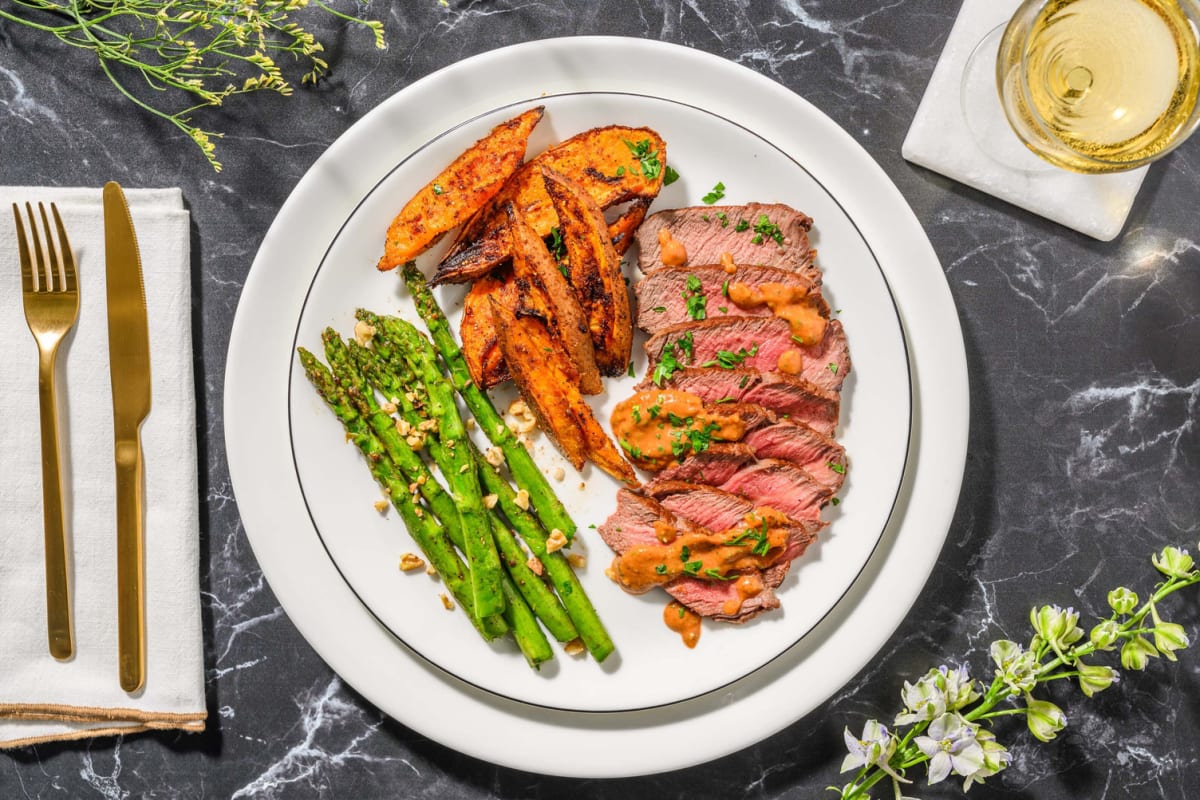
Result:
<point x="196" y="53"/>
<point x="945" y="711"/>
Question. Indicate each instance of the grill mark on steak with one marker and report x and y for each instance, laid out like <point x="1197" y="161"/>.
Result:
<point x="700" y="230"/>
<point x="662" y="293"/>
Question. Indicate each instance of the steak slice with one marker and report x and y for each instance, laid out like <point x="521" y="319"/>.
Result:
<point x="708" y="232"/>
<point x="664" y="297"/>
<point x="780" y="485"/>
<point x="717" y="509"/>
<point x="785" y="395"/>
<point x="713" y="467"/>
<point x="636" y="521"/>
<point x="753" y="343"/>
<point x="814" y="452"/>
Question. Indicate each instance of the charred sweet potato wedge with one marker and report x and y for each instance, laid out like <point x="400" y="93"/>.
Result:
<point x="460" y="190"/>
<point x="613" y="165"/>
<point x="594" y="272"/>
<point x="541" y="370"/>
<point x="544" y="292"/>
<point x="480" y="339"/>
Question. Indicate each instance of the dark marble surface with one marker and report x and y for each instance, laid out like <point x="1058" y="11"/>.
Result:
<point x="1085" y="381"/>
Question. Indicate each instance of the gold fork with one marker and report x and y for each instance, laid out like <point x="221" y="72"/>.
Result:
<point x="51" y="293"/>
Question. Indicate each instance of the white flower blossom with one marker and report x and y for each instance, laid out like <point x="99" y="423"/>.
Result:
<point x="1017" y="666"/>
<point x="952" y="745"/>
<point x="938" y="691"/>
<point x="874" y="748"/>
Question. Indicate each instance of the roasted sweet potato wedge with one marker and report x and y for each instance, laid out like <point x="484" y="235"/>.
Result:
<point x="594" y="272"/>
<point x="544" y="292"/>
<point x="540" y="369"/>
<point x="621" y="230"/>
<point x="480" y="339"/>
<point x="613" y="165"/>
<point x="460" y="190"/>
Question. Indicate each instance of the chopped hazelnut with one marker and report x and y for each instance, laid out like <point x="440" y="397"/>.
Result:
<point x="470" y="423"/>
<point x="364" y="332"/>
<point x="518" y="408"/>
<point x="381" y="505"/>
<point x="494" y="456"/>
<point x="557" y="473"/>
<point x="447" y="603"/>
<point x="535" y="565"/>
<point x="403" y="427"/>
<point x="490" y="500"/>
<point x="411" y="561"/>
<point x="556" y="541"/>
<point x="389" y="407"/>
<point x="576" y="560"/>
<point x="522" y="500"/>
<point x="573" y="647"/>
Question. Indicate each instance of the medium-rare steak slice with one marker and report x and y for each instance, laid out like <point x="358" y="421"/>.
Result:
<point x="709" y="232"/>
<point x="785" y="395"/>
<point x="749" y="342"/>
<point x="780" y="485"/>
<point x="714" y="466"/>
<point x="642" y="521"/>
<point x="814" y="452"/>
<point x="670" y="295"/>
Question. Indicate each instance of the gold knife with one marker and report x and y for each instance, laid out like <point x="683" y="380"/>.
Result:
<point x="129" y="367"/>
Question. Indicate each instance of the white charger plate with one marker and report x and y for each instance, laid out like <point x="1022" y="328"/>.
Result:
<point x="365" y="545"/>
<point x="345" y="633"/>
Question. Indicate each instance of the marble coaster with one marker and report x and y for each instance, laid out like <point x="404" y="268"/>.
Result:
<point x="957" y="133"/>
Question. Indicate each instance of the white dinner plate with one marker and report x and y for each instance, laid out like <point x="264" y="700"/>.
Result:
<point x="790" y="665"/>
<point x="340" y="494"/>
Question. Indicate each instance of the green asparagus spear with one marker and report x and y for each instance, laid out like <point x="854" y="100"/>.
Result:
<point x="460" y="473"/>
<point x="579" y="607"/>
<point x="546" y="504"/>
<point x="430" y="538"/>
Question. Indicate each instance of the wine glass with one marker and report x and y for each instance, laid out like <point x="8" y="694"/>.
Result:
<point x="1091" y="86"/>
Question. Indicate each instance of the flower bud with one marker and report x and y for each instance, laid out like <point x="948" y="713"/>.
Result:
<point x="1173" y="562"/>
<point x="1136" y="652"/>
<point x="1045" y="719"/>
<point x="1169" y="637"/>
<point x="1017" y="667"/>
<point x="1056" y="626"/>
<point x="1094" y="679"/>
<point x="1122" y="600"/>
<point x="1105" y="634"/>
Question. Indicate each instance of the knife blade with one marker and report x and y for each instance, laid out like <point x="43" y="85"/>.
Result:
<point x="129" y="368"/>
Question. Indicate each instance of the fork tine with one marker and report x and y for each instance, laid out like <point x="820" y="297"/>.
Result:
<point x="23" y="250"/>
<point x="39" y="256"/>
<point x="71" y="283"/>
<point x="54" y="281"/>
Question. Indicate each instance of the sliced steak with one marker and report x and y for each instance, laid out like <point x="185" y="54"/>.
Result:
<point x="714" y="466"/>
<point x="665" y="297"/>
<point x="780" y="485"/>
<point x="785" y="395"/>
<point x="753" y="343"/>
<point x="708" y="232"/>
<point x="814" y="452"/>
<point x="637" y="520"/>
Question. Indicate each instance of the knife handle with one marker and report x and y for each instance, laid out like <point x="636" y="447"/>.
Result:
<point x="131" y="606"/>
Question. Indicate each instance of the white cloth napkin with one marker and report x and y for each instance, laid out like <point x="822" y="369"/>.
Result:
<point x="42" y="699"/>
<point x="943" y="139"/>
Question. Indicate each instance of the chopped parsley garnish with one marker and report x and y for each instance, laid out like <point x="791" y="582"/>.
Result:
<point x="717" y="576"/>
<point x="652" y="167"/>
<point x="832" y="367"/>
<point x="678" y="421"/>
<point x="721" y="215"/>
<point x="653" y="410"/>
<point x="762" y="543"/>
<point x="835" y="500"/>
<point x="723" y="309"/>
<point x="635" y="452"/>
<point x="659" y="309"/>
<point x="728" y="360"/>
<point x="725" y="288"/>
<point x="742" y="225"/>
<point x="668" y="364"/>
<point x="670" y="176"/>
<point x="637" y="413"/>
<point x="693" y="567"/>
<point x="661" y="569"/>
<point x="685" y="345"/>
<point x="556" y="245"/>
<point x="697" y="302"/>
<point x="437" y="188"/>
<point x="685" y="553"/>
<point x="632" y="374"/>
<point x="725" y="399"/>
<point x="744" y="381"/>
<point x="713" y="196"/>
<point x="838" y="468"/>
<point x="765" y="229"/>
<point x="797" y="339"/>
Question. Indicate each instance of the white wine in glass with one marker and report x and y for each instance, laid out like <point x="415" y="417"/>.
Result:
<point x="1101" y="85"/>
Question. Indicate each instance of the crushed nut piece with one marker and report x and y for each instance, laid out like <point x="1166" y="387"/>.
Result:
<point x="420" y="480"/>
<point x="494" y="456"/>
<point x="582" y="486"/>
<point x="381" y="505"/>
<point x="411" y="561"/>
<point x="430" y="571"/>
<point x="402" y="427"/>
<point x="576" y="560"/>
<point x="364" y="332"/>
<point x="525" y="426"/>
<point x="534" y="565"/>
<point x="522" y="499"/>
<point x="490" y="500"/>
<point x="574" y="647"/>
<point x="415" y="440"/>
<point x="470" y="423"/>
<point x="427" y="425"/>
<point x="556" y="541"/>
<point x="418" y="512"/>
<point x="518" y="408"/>
<point x="410" y="397"/>
<point x="557" y="473"/>
<point x="447" y="602"/>
<point x="389" y="407"/>
<point x="463" y="468"/>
